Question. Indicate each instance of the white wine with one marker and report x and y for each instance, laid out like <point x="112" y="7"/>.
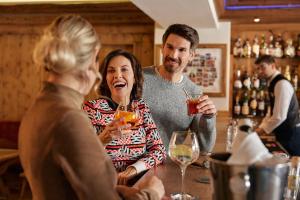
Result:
<point x="181" y="154"/>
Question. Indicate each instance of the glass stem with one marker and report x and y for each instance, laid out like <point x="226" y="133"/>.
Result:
<point x="183" y="168"/>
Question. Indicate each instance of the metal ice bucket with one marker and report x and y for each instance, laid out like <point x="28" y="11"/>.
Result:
<point x="242" y="182"/>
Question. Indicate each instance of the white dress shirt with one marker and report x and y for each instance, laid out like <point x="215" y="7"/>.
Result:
<point x="283" y="93"/>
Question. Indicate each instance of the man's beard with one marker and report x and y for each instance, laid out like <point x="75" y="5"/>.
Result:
<point x="169" y="67"/>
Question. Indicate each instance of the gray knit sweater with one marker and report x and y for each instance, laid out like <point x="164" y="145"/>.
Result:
<point x="167" y="102"/>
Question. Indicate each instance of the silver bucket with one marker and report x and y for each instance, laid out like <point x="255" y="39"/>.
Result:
<point x="242" y="182"/>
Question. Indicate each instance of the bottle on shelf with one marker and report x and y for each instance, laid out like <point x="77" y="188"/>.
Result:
<point x="295" y="81"/>
<point x="287" y="73"/>
<point x="245" y="104"/>
<point x="253" y="103"/>
<point x="247" y="49"/>
<point x="298" y="49"/>
<point x="263" y="83"/>
<point x="238" y="48"/>
<point x="278" y="52"/>
<point x="237" y="106"/>
<point x="255" y="81"/>
<point x="246" y="80"/>
<point x="263" y="46"/>
<point x="261" y="104"/>
<point x="271" y="46"/>
<point x="293" y="179"/>
<point x="255" y="47"/>
<point x="279" y="39"/>
<point x="289" y="50"/>
<point x="238" y="83"/>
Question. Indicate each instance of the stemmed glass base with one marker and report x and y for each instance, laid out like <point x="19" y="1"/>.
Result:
<point x="180" y="196"/>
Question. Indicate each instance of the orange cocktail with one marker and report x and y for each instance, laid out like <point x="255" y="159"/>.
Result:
<point x="131" y="118"/>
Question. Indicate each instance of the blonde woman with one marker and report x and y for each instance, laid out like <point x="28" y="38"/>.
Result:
<point x="61" y="156"/>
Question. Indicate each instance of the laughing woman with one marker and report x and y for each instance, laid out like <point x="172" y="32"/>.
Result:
<point x="140" y="149"/>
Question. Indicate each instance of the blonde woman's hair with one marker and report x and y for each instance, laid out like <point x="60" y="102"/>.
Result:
<point x="68" y="43"/>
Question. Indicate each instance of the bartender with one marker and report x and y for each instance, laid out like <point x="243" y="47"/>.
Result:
<point x="283" y="120"/>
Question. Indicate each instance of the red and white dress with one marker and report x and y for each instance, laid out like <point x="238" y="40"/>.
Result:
<point x="142" y="149"/>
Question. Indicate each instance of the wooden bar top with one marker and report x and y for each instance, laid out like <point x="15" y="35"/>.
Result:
<point x="170" y="175"/>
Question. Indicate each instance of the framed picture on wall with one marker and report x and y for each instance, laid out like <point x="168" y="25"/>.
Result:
<point x="207" y="69"/>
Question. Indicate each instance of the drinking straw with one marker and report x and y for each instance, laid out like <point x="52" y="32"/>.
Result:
<point x="186" y="93"/>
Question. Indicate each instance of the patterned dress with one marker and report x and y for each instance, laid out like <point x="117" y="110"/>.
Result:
<point x="142" y="148"/>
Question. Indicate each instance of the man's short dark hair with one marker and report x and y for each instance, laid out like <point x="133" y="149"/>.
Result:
<point x="265" y="59"/>
<point x="184" y="31"/>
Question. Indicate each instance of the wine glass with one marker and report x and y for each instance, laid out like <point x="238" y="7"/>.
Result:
<point x="130" y="114"/>
<point x="183" y="150"/>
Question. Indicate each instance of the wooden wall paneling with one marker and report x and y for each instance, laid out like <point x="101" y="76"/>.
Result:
<point x="147" y="50"/>
<point x="140" y="36"/>
<point x="31" y="77"/>
<point x="11" y="72"/>
<point x="2" y="105"/>
<point x="118" y="25"/>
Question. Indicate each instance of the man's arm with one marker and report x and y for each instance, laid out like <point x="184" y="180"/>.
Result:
<point x="206" y="131"/>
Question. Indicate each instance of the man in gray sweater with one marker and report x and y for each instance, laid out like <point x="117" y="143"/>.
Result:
<point x="164" y="87"/>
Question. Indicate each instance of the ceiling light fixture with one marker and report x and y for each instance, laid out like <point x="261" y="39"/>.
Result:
<point x="256" y="19"/>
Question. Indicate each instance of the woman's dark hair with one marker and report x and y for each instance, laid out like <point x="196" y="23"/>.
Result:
<point x="137" y="88"/>
<point x="184" y="31"/>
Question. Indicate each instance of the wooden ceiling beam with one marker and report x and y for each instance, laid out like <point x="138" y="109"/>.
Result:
<point x="112" y="13"/>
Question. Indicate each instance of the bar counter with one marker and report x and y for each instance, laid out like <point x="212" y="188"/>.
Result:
<point x="170" y="175"/>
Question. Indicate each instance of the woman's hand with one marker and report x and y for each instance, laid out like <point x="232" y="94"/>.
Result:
<point x="124" y="176"/>
<point x="113" y="130"/>
<point x="206" y="106"/>
<point x="153" y="183"/>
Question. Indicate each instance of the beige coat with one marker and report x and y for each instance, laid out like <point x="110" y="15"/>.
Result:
<point x="61" y="156"/>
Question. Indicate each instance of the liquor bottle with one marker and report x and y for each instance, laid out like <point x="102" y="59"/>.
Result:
<point x="237" y="106"/>
<point x="253" y="103"/>
<point x="261" y="104"/>
<point x="247" y="49"/>
<point x="271" y="49"/>
<point x="287" y="73"/>
<point x="263" y="46"/>
<point x="238" y="83"/>
<point x="245" y="105"/>
<point x="298" y="49"/>
<point x="278" y="53"/>
<point x="255" y="47"/>
<point x="246" y="80"/>
<point x="238" y="47"/>
<point x="295" y="81"/>
<point x="289" y="50"/>
<point x="293" y="179"/>
<point x="263" y="83"/>
<point x="255" y="81"/>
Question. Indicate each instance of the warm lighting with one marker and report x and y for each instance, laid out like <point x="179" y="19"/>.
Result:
<point x="256" y="19"/>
